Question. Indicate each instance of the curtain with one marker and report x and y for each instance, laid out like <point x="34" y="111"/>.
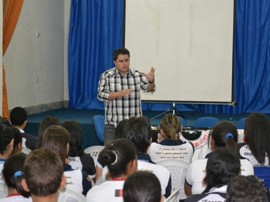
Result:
<point x="96" y="28"/>
<point x="11" y="13"/>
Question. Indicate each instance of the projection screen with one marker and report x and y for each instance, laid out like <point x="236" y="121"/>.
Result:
<point x="188" y="42"/>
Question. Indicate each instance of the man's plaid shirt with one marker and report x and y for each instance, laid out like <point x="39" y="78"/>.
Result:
<point x="121" y="108"/>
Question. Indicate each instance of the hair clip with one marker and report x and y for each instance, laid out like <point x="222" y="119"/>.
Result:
<point x="18" y="173"/>
<point x="229" y="135"/>
<point x="116" y="158"/>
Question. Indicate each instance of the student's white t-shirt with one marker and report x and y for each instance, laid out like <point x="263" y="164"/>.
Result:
<point x="17" y="198"/>
<point x="158" y="152"/>
<point x="107" y="191"/>
<point x="196" y="173"/>
<point x="162" y="173"/>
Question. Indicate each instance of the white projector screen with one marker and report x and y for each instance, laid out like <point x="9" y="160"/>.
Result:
<point x="188" y="42"/>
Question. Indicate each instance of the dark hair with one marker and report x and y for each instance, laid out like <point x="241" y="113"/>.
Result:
<point x="43" y="172"/>
<point x="122" y="51"/>
<point x="119" y="130"/>
<point x="246" y="188"/>
<point x="257" y="135"/>
<point x="56" y="138"/>
<point x="45" y="123"/>
<point x="138" y="131"/>
<point x="222" y="165"/>
<point x="17" y="116"/>
<point x="142" y="186"/>
<point x="12" y="172"/>
<point x="17" y="139"/>
<point x="75" y="130"/>
<point x="117" y="155"/>
<point x="6" y="135"/>
<point x="171" y="126"/>
<point x="225" y="134"/>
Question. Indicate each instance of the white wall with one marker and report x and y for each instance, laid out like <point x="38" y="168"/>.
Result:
<point x="34" y="61"/>
<point x="67" y="15"/>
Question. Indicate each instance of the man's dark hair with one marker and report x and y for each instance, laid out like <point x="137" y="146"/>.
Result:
<point x="17" y="116"/>
<point x="122" y="51"/>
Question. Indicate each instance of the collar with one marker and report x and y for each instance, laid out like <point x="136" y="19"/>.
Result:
<point x="171" y="142"/>
<point x="144" y="157"/>
<point x="67" y="167"/>
<point x="10" y="195"/>
<point x="116" y="72"/>
<point x="222" y="189"/>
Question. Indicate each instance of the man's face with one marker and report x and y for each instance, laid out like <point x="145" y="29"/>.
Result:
<point x="122" y="63"/>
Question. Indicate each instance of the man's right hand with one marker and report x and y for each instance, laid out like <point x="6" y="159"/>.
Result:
<point x="119" y="94"/>
<point x="125" y="93"/>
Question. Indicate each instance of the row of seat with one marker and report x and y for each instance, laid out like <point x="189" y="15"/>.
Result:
<point x="205" y="122"/>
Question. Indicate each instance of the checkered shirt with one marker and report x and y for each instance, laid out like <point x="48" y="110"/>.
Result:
<point x="121" y="108"/>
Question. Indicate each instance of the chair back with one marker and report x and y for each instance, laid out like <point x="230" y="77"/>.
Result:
<point x="69" y="195"/>
<point x="241" y="123"/>
<point x="94" y="151"/>
<point x="99" y="124"/>
<point x="173" y="196"/>
<point x="182" y="121"/>
<point x="263" y="172"/>
<point x="206" y="122"/>
<point x="178" y="171"/>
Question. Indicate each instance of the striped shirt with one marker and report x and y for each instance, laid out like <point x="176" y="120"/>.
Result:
<point x="125" y="107"/>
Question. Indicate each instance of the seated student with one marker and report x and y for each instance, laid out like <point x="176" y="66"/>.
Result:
<point x="118" y="134"/>
<point x="142" y="186"/>
<point x="170" y="129"/>
<point x="13" y="175"/>
<point x="256" y="147"/>
<point x="224" y="134"/>
<point x="121" y="159"/>
<point x="76" y="156"/>
<point x="56" y="139"/>
<point x="221" y="167"/>
<point x="138" y="131"/>
<point x="43" y="175"/>
<point x="6" y="148"/>
<point x="168" y="140"/>
<point x="18" y="119"/>
<point x="246" y="188"/>
<point x="45" y="123"/>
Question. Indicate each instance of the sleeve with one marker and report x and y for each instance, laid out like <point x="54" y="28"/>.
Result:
<point x="86" y="183"/>
<point x="103" y="88"/>
<point x="88" y="165"/>
<point x="189" y="175"/>
<point x="143" y="81"/>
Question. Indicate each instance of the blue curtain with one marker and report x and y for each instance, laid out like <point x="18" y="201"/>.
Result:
<point x="96" y="29"/>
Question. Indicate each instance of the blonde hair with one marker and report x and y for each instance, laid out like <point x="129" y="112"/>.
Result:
<point x="171" y="126"/>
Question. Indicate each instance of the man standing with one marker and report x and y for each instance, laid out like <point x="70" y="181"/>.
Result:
<point x="119" y="88"/>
